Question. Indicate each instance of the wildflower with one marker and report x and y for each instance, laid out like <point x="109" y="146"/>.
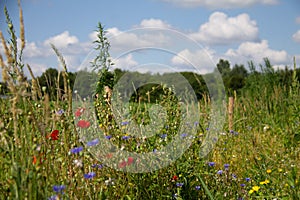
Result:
<point x="76" y="149"/>
<point x="211" y="164"/>
<point x="108" y="137"/>
<point x="126" y="137"/>
<point x="79" y="112"/>
<point x="220" y="172"/>
<point x="280" y="170"/>
<point x="226" y="166"/>
<point x="163" y="136"/>
<point x="124" y="123"/>
<point x="179" y="184"/>
<point x="197" y="187"/>
<point x="265" y="182"/>
<point x="93" y="142"/>
<point x="255" y="188"/>
<point x="174" y="178"/>
<point x="110" y="155"/>
<point x="54" y="135"/>
<point x="183" y="135"/>
<point x="154" y="150"/>
<point x="60" y="112"/>
<point x="233" y="176"/>
<point x="242" y="185"/>
<point x="130" y="160"/>
<point x="247" y="179"/>
<point x="122" y="164"/>
<point x="109" y="181"/>
<point x="196" y="123"/>
<point x="53" y="197"/>
<point x="77" y="163"/>
<point x="83" y="124"/>
<point x="89" y="175"/>
<point x="99" y="166"/>
<point x="269" y="171"/>
<point x="233" y="132"/>
<point x="34" y="160"/>
<point x="58" y="188"/>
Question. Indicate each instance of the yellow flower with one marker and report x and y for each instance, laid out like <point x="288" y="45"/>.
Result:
<point x="280" y="170"/>
<point x="269" y="171"/>
<point x="251" y="191"/>
<point x="264" y="182"/>
<point x="255" y="188"/>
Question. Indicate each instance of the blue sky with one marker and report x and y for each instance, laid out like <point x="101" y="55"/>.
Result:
<point x="236" y="30"/>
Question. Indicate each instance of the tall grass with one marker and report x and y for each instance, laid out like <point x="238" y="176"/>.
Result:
<point x="41" y="155"/>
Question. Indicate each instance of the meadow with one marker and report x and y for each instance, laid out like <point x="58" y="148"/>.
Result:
<point x="43" y="154"/>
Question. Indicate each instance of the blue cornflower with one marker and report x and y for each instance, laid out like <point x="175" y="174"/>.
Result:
<point x="183" y="135"/>
<point x="60" y="112"/>
<point x="99" y="166"/>
<point x="108" y="137"/>
<point x="234" y="176"/>
<point x="179" y="184"/>
<point x="53" y="197"/>
<point x="211" y="164"/>
<point x="58" y="188"/>
<point x="220" y="172"/>
<point x="163" y="136"/>
<point x="242" y="185"/>
<point x="196" y="123"/>
<point x="126" y="137"/>
<point x="124" y="123"/>
<point x="93" y="142"/>
<point x="247" y="179"/>
<point x="197" y="187"/>
<point x="226" y="166"/>
<point x="76" y="149"/>
<point x="89" y="175"/>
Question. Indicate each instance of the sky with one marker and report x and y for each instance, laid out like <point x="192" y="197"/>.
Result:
<point x="159" y="35"/>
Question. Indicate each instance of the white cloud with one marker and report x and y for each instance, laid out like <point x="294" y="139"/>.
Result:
<point x="62" y="40"/>
<point x="221" y="29"/>
<point x="156" y="23"/>
<point x="214" y="4"/>
<point x="252" y="51"/>
<point x="202" y="59"/>
<point x="296" y="36"/>
<point x="126" y="62"/>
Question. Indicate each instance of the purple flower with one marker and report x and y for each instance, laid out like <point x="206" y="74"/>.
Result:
<point x="126" y="137"/>
<point x="93" y="142"/>
<point x="220" y="172"/>
<point x="58" y="188"/>
<point x="247" y="179"/>
<point x="233" y="132"/>
<point x="99" y="166"/>
<point x="226" y="166"/>
<point x="179" y="184"/>
<point x="108" y="137"/>
<point x="60" y="112"/>
<point x="124" y="123"/>
<point x="163" y="136"/>
<point x="183" y="135"/>
<point x="76" y="149"/>
<point x="197" y="187"/>
<point x="233" y="176"/>
<point x="211" y="164"/>
<point x="154" y="150"/>
<point x="196" y="123"/>
<point x="53" y="197"/>
<point x="89" y="175"/>
<point x="242" y="185"/>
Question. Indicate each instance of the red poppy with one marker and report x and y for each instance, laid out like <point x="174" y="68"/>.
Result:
<point x="122" y="164"/>
<point x="174" y="178"/>
<point x="79" y="112"/>
<point x="34" y="160"/>
<point x="54" y="135"/>
<point x="83" y="124"/>
<point x="109" y="155"/>
<point x="130" y="160"/>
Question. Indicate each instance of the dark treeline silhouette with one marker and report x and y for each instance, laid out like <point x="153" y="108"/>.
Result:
<point x="236" y="79"/>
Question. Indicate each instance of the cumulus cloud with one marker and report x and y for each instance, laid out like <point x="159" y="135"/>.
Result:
<point x="221" y="29"/>
<point x="296" y="36"/>
<point x="125" y="62"/>
<point x="257" y="52"/>
<point x="202" y="60"/>
<point x="156" y="23"/>
<point x="62" y="40"/>
<point x="217" y="4"/>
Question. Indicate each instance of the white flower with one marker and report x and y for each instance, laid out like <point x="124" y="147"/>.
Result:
<point x="77" y="163"/>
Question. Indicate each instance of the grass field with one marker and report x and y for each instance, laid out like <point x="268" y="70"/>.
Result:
<point x="43" y="155"/>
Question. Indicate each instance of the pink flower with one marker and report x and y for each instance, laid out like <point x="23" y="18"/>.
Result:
<point x="83" y="124"/>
